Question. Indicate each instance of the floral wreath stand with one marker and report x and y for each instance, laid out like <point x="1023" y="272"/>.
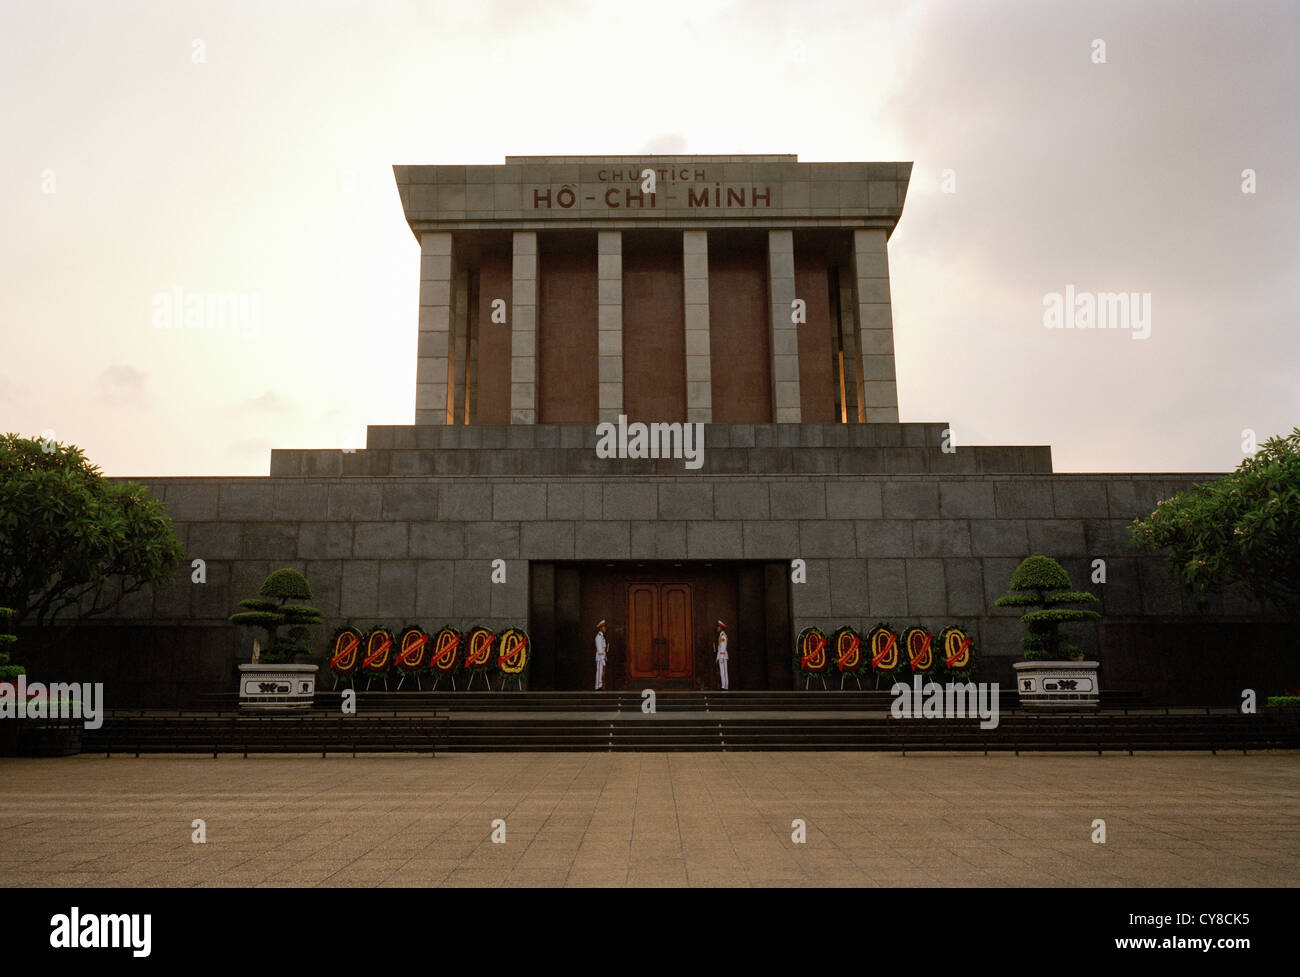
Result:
<point x="345" y="647"/>
<point x="379" y="646"/>
<point x="445" y="645"/>
<point x="810" y="655"/>
<point x="918" y="644"/>
<point x="956" y="647"/>
<point x="478" y="656"/>
<point x="478" y="671"/>
<point x="848" y="651"/>
<point x="512" y="657"/>
<point x="413" y="646"/>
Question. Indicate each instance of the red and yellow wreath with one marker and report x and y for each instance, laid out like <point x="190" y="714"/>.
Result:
<point x="920" y="649"/>
<point x="379" y="651"/>
<point x="810" y="651"/>
<point x="413" y="650"/>
<point x="345" y="648"/>
<point x="446" y="644"/>
<point x="848" y="650"/>
<point x="512" y="651"/>
<point x="882" y="645"/>
<point x="478" y="649"/>
<point x="957" y="648"/>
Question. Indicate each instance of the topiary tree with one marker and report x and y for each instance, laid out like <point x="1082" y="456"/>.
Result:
<point x="1042" y="583"/>
<point x="271" y="611"/>
<point x="1242" y="529"/>
<point x="8" y="673"/>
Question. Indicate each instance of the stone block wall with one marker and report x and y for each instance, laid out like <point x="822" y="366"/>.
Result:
<point x="921" y="548"/>
<point x="924" y="546"/>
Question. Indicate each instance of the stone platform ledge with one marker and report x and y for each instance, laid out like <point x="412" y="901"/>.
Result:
<point x="729" y="449"/>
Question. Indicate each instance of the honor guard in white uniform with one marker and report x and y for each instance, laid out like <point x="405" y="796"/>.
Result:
<point x="600" y="655"/>
<point x="722" y="652"/>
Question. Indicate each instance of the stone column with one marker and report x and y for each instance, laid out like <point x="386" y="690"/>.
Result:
<point x="432" y="363"/>
<point x="849" y="336"/>
<point x="460" y="346"/>
<point x="471" y="387"/>
<point x="609" y="258"/>
<point x="875" y="327"/>
<point x="523" y="330"/>
<point x="784" y="333"/>
<point x="699" y="375"/>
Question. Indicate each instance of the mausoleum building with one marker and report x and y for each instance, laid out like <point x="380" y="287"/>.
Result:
<point x="578" y="318"/>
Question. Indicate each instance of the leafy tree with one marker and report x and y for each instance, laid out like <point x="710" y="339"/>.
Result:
<point x="1243" y="528"/>
<point x="1042" y="583"/>
<point x="271" y="611"/>
<point x="73" y="544"/>
<point x="8" y="672"/>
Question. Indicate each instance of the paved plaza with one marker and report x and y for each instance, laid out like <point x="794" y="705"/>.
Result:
<point x="695" y="819"/>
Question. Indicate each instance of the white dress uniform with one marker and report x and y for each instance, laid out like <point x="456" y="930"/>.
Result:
<point x="600" y="660"/>
<point x="722" y="656"/>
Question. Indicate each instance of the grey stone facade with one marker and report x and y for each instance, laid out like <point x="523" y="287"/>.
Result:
<point x="923" y="546"/>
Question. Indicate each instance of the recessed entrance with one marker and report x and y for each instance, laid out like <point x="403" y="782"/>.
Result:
<point x="659" y="624"/>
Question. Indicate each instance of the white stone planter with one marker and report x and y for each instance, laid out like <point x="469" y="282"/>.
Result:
<point x="277" y="687"/>
<point x="1058" y="684"/>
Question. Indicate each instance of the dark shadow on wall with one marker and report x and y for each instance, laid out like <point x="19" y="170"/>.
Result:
<point x="141" y="666"/>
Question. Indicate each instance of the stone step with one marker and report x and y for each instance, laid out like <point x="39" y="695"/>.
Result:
<point x="312" y="732"/>
<point x="666" y="701"/>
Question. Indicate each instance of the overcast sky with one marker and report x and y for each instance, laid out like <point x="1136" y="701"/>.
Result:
<point x="247" y="148"/>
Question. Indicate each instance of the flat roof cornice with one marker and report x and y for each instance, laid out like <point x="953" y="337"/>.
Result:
<point x="606" y="191"/>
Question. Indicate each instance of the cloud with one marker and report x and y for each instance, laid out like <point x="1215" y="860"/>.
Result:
<point x="123" y="386"/>
<point x="13" y="391"/>
<point x="270" y="402"/>
<point x="1122" y="176"/>
<point x="665" y="144"/>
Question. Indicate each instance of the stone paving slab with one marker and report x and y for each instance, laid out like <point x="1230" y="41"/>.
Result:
<point x="685" y="819"/>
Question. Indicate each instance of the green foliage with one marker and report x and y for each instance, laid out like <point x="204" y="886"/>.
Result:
<point x="1044" y="583"/>
<point x="1063" y="614"/>
<point x="1018" y="600"/>
<point x="294" y="611"/>
<point x="1284" y="701"/>
<point x="271" y="615"/>
<point x="8" y="672"/>
<point x="286" y="584"/>
<point x="1040" y="573"/>
<point x="74" y="544"/>
<point x="257" y="619"/>
<point x="1241" y="529"/>
<point x="1070" y="597"/>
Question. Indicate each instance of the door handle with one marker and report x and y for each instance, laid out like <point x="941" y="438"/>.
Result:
<point x="660" y="652"/>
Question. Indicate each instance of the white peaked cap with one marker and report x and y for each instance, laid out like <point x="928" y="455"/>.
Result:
<point x="600" y="623"/>
<point x="720" y="622"/>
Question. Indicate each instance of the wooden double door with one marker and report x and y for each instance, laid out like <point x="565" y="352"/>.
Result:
<point x="660" y="632"/>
